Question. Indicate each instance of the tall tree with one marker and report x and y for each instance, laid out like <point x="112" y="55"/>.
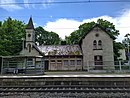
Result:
<point x="75" y="36"/>
<point x="45" y="37"/>
<point x="126" y="43"/>
<point x="11" y="34"/>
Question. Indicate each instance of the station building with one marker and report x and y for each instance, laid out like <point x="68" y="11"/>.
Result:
<point x="95" y="51"/>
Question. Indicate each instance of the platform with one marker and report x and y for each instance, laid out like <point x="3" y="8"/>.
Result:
<point x="67" y="76"/>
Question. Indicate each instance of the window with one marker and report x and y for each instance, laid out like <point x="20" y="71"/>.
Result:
<point x="72" y="62"/>
<point x="29" y="35"/>
<point x="99" y="44"/>
<point x="97" y="47"/>
<point x="94" y="44"/>
<point x="52" y="61"/>
<point x="78" y="62"/>
<point x="29" y="62"/>
<point x="97" y="35"/>
<point x="66" y="62"/>
<point x="59" y="61"/>
<point x="29" y="47"/>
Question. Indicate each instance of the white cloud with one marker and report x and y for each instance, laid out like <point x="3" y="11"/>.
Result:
<point x="62" y="26"/>
<point x="123" y="22"/>
<point x="65" y="26"/>
<point x="44" y="3"/>
<point x="26" y="3"/>
<point x="9" y="7"/>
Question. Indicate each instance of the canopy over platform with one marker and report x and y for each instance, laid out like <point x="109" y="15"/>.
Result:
<point x="22" y="64"/>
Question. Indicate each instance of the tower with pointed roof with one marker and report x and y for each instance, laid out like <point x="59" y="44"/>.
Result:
<point x="30" y="35"/>
<point x="31" y="48"/>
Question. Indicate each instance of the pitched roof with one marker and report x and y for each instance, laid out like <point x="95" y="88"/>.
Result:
<point x="34" y="46"/>
<point x="30" y="24"/>
<point x="96" y="25"/>
<point x="60" y="50"/>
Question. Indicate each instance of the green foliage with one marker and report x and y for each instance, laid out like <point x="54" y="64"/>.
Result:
<point x="63" y="42"/>
<point x="76" y="36"/>
<point x="117" y="47"/>
<point x="126" y="41"/>
<point x="11" y="33"/>
<point x="45" y="37"/>
<point x="109" y="27"/>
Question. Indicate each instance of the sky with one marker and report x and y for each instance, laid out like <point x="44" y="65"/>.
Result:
<point x="64" y="18"/>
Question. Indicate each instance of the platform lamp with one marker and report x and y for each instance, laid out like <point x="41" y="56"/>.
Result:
<point x="23" y="39"/>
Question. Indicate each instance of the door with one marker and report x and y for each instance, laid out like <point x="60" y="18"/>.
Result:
<point x="98" y="60"/>
<point x="46" y="65"/>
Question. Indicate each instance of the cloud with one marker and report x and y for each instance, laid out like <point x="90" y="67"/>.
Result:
<point x="66" y="26"/>
<point x="44" y="3"/>
<point x="62" y="26"/>
<point x="9" y="7"/>
<point x="26" y="3"/>
<point x="123" y="24"/>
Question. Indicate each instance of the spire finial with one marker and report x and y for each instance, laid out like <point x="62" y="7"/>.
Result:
<point x="30" y="24"/>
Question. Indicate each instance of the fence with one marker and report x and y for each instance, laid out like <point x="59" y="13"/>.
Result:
<point x="107" y="66"/>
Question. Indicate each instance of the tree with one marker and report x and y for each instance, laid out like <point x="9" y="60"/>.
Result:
<point x="126" y="43"/>
<point x="11" y="34"/>
<point x="45" y="37"/>
<point x="116" y="48"/>
<point x="76" y="36"/>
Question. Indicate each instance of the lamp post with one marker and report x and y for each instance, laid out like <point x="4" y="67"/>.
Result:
<point x="23" y="44"/>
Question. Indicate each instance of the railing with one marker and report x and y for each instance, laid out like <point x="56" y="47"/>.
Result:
<point x="107" y="66"/>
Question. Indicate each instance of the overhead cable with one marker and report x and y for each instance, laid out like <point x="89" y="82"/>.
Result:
<point x="65" y="2"/>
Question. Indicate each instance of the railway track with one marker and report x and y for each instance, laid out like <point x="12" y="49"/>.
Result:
<point x="65" y="92"/>
<point x="65" y="87"/>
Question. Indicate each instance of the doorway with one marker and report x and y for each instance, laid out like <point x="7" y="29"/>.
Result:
<point x="46" y="65"/>
<point x="98" y="60"/>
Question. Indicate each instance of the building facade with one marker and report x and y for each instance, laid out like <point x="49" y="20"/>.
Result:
<point x="95" y="51"/>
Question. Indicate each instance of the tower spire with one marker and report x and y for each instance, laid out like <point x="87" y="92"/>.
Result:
<point x="30" y="24"/>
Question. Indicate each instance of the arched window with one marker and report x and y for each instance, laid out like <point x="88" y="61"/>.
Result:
<point x="94" y="44"/>
<point x="29" y="47"/>
<point x="99" y="44"/>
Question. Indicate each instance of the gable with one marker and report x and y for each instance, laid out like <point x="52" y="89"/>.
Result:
<point x="98" y="34"/>
<point x="37" y="49"/>
<point x="94" y="28"/>
<point x="34" y="52"/>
